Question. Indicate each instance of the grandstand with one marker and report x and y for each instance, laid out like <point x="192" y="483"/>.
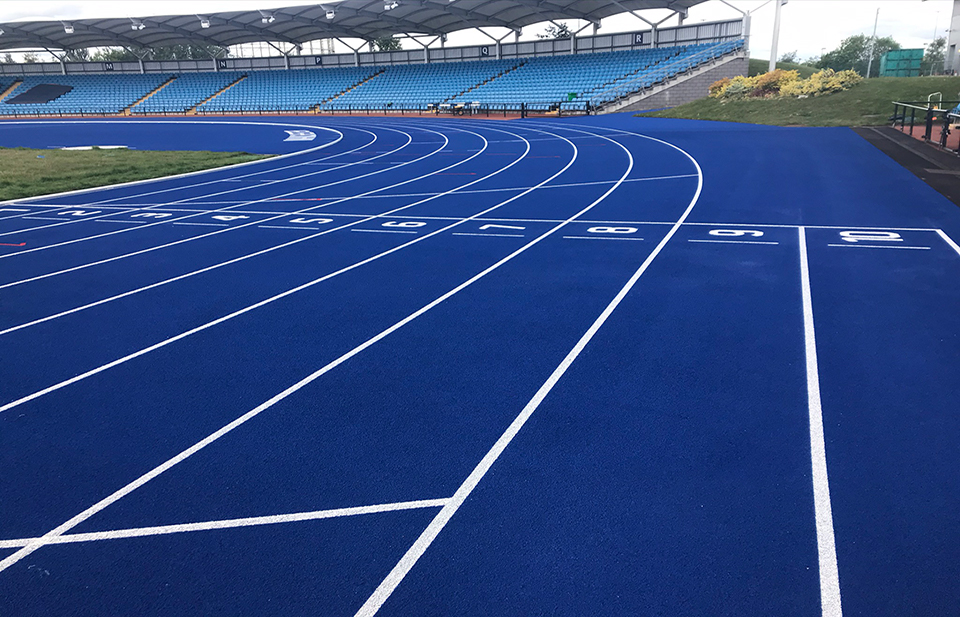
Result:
<point x="570" y="82"/>
<point x="579" y="74"/>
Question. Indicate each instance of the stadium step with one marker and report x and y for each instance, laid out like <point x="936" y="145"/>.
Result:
<point x="10" y="90"/>
<point x="316" y="107"/>
<point x="483" y="83"/>
<point x="193" y="110"/>
<point x="128" y="111"/>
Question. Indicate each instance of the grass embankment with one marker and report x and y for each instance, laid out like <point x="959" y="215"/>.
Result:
<point x="868" y="103"/>
<point x="759" y="67"/>
<point x="24" y="174"/>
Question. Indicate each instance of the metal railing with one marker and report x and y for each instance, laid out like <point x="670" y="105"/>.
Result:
<point x="930" y="114"/>
<point x="641" y="83"/>
<point x="521" y="109"/>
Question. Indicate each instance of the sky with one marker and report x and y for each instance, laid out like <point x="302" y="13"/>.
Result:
<point x="808" y="27"/>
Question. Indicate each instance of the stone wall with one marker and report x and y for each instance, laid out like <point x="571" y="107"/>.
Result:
<point x="690" y="90"/>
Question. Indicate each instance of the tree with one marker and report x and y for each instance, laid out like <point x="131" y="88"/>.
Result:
<point x="556" y="31"/>
<point x="7" y="59"/>
<point x="116" y="54"/>
<point x="933" y="58"/>
<point x="854" y="53"/>
<point x="387" y="43"/>
<point x="790" y="56"/>
<point x="76" y="55"/>
<point x="30" y="58"/>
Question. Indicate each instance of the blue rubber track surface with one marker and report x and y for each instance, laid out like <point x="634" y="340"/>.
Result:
<point x="591" y="366"/>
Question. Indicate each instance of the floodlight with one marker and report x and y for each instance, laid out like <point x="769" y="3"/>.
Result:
<point x="1" y="31"/>
<point x="267" y="18"/>
<point x="204" y="22"/>
<point x="136" y="24"/>
<point x="331" y="14"/>
<point x="68" y="28"/>
<point x="390" y="5"/>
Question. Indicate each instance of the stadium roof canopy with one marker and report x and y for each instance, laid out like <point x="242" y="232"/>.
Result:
<point x="362" y="19"/>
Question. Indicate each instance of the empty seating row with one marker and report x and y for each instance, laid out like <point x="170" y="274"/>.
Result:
<point x="89" y="93"/>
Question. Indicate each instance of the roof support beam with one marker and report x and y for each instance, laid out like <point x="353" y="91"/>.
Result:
<point x="42" y="41"/>
<point x="267" y="34"/>
<point x="334" y="32"/>
<point x="186" y="34"/>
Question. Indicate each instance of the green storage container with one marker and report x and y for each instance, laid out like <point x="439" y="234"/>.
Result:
<point x="901" y="63"/>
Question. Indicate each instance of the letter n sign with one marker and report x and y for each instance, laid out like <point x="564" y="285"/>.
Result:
<point x="221" y="64"/>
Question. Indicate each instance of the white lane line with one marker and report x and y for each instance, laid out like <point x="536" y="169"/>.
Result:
<point x="212" y="233"/>
<point x="823" y="511"/>
<point x="278" y="296"/>
<point x="189" y="174"/>
<point x="139" y="532"/>
<point x="877" y="246"/>
<point x="121" y="221"/>
<point x="42" y="218"/>
<point x="948" y="240"/>
<point x="27" y="212"/>
<point x="205" y="224"/>
<point x="384" y="231"/>
<point x="62" y="222"/>
<point x="289" y="227"/>
<point x="489" y="235"/>
<point x="733" y="241"/>
<point x="413" y="554"/>
<point x="599" y="238"/>
<point x="221" y="210"/>
<point x="156" y="471"/>
<point x="285" y="244"/>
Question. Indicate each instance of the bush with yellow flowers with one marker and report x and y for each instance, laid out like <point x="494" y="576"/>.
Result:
<point x="779" y="83"/>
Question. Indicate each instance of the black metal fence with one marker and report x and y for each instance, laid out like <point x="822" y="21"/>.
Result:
<point x="934" y="117"/>
<point x="482" y="110"/>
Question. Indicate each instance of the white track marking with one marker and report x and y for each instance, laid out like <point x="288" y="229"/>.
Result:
<point x="263" y="251"/>
<point x="948" y="240"/>
<point x="276" y="297"/>
<point x="220" y="231"/>
<point x="204" y="224"/>
<point x="178" y="176"/>
<point x="413" y="554"/>
<point x="489" y="235"/>
<point x="233" y="523"/>
<point x="121" y="221"/>
<point x="823" y="512"/>
<point x="221" y="210"/>
<point x="288" y="227"/>
<point x="107" y="501"/>
<point x="385" y="231"/>
<point x="877" y="246"/>
<point x="732" y="241"/>
<point x="61" y="222"/>
<point x="599" y="238"/>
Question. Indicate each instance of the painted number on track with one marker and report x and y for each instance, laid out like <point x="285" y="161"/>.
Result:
<point x="308" y="220"/>
<point x="736" y="233"/>
<point x="870" y="236"/>
<point x="407" y="224"/>
<point x="612" y="230"/>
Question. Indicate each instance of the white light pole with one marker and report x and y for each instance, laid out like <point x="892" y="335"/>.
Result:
<point x="776" y="35"/>
<point x="873" y="43"/>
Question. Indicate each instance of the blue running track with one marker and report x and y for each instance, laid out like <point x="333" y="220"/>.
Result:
<point x="598" y="366"/>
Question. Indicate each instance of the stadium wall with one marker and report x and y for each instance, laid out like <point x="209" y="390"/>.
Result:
<point x="710" y="32"/>
<point x="690" y="89"/>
